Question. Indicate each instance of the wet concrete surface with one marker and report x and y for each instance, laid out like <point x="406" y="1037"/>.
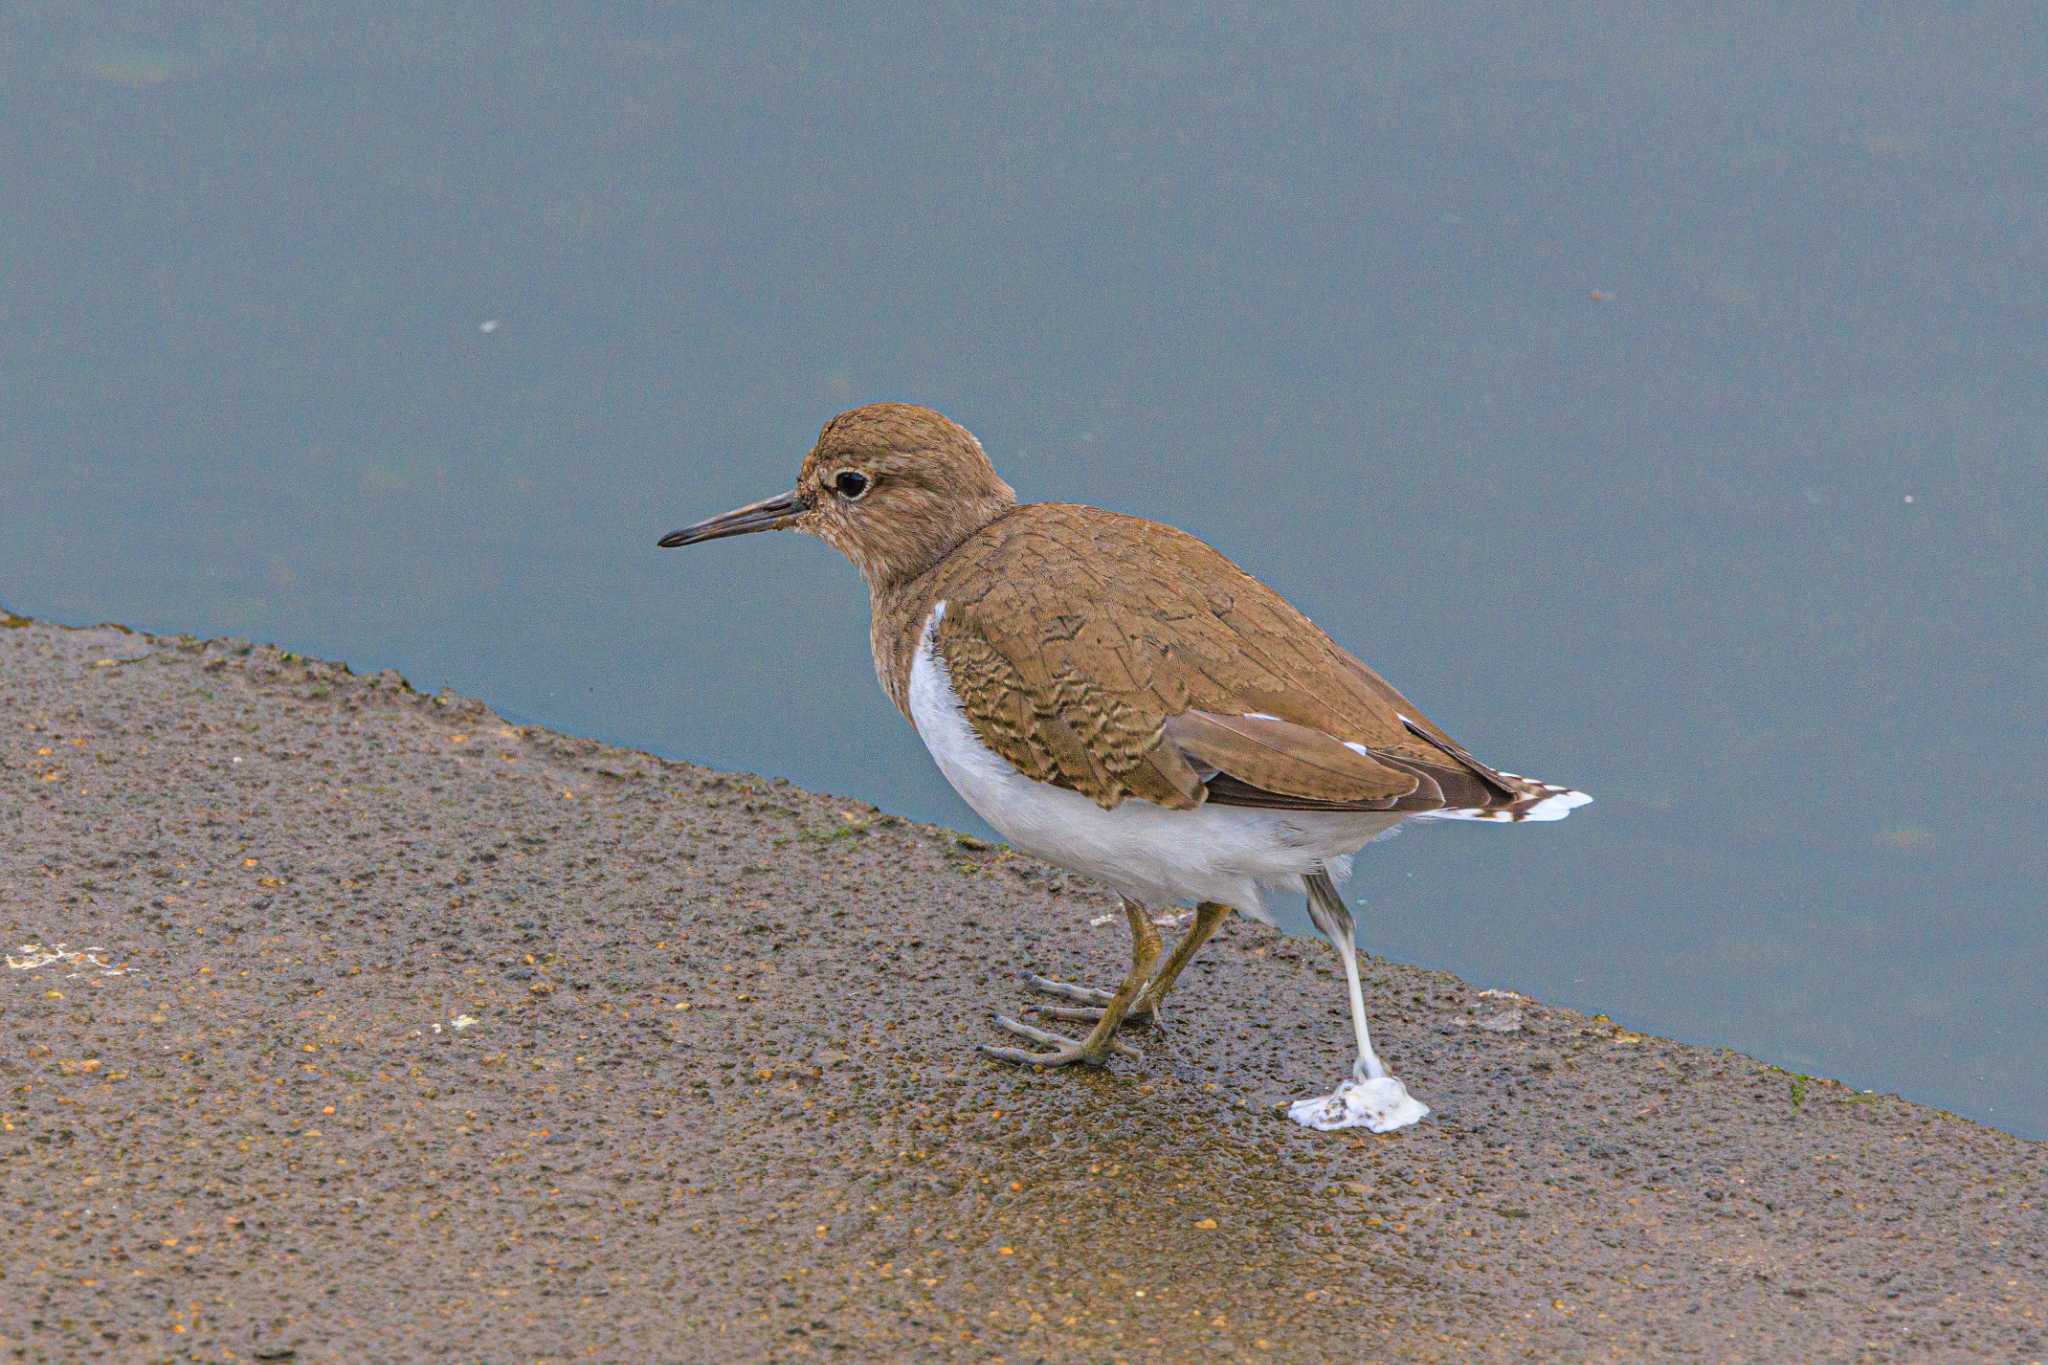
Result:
<point x="342" y="1022"/>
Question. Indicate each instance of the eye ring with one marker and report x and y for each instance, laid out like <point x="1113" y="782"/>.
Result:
<point x="851" y="484"/>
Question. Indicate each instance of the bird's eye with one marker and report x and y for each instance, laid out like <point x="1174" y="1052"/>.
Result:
<point x="850" y="484"/>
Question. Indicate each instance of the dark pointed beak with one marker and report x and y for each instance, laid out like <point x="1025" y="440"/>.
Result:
<point x="769" y="514"/>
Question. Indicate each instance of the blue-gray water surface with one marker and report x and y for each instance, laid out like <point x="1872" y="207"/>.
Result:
<point x="1657" y="398"/>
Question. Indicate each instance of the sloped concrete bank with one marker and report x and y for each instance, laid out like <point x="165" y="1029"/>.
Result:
<point x="342" y="1022"/>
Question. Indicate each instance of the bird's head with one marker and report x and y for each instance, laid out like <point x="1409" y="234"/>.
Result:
<point x="892" y="486"/>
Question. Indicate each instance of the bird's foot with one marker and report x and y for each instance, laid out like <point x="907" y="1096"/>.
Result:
<point x="1093" y="1000"/>
<point x="1061" y="1051"/>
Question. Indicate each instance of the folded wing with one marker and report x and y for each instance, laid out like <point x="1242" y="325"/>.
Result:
<point x="1118" y="658"/>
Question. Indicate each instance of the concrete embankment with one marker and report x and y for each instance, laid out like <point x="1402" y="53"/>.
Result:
<point x="345" y="1023"/>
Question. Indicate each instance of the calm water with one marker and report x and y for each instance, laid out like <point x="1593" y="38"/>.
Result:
<point x="1659" y="401"/>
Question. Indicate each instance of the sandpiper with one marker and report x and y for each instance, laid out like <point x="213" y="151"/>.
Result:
<point x="1116" y="697"/>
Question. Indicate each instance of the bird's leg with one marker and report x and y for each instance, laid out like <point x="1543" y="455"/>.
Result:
<point x="1094" y="996"/>
<point x="1102" y="1038"/>
<point x="1209" y="917"/>
<point x="1372" y="1098"/>
<point x="1333" y="917"/>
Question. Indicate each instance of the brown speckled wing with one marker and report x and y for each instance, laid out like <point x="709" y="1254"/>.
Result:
<point x="1055" y="723"/>
<point x="1118" y="657"/>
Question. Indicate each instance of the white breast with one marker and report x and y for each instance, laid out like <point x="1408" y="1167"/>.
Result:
<point x="1146" y="851"/>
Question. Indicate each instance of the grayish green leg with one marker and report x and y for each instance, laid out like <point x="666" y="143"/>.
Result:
<point x="1101" y="1039"/>
<point x="1209" y="917"/>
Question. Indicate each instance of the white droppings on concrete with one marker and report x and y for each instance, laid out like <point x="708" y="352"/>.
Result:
<point x="1380" y="1103"/>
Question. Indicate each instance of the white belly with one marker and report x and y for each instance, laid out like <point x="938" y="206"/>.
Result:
<point x="1145" y="850"/>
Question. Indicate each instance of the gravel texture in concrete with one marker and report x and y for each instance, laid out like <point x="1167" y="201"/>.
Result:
<point x="342" y="1022"/>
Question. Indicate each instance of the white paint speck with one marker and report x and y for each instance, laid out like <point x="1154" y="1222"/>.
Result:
<point x="1164" y="920"/>
<point x="487" y="326"/>
<point x="82" y="961"/>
